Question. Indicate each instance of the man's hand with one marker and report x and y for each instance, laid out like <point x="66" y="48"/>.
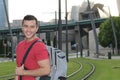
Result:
<point x="16" y="78"/>
<point x="20" y="70"/>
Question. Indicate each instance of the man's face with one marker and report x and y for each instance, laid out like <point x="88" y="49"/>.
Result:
<point x="29" y="29"/>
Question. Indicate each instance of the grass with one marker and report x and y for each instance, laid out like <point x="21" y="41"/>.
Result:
<point x="105" y="69"/>
<point x="85" y="69"/>
<point x="7" y="68"/>
<point x="71" y="68"/>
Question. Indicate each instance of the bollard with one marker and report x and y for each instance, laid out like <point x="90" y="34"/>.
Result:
<point x="109" y="55"/>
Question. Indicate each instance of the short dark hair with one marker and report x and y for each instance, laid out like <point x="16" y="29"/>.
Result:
<point x="30" y="17"/>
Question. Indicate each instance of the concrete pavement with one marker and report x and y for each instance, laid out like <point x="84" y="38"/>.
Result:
<point x="5" y="59"/>
<point x="92" y="56"/>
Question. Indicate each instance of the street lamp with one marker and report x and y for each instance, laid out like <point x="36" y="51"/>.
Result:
<point x="94" y="28"/>
<point x="66" y="29"/>
<point x="113" y="28"/>
<point x="59" y="28"/>
<point x="56" y="28"/>
<point x="6" y="13"/>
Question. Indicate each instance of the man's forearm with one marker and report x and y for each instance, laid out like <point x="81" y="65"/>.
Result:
<point x="37" y="72"/>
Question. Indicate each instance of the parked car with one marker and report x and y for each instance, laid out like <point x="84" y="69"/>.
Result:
<point x="73" y="47"/>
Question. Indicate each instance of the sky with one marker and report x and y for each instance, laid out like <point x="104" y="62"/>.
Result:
<point x="44" y="10"/>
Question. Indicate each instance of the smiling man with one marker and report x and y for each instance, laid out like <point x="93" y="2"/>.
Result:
<point x="37" y="62"/>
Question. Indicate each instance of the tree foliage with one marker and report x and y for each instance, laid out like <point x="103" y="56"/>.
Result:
<point x="105" y="34"/>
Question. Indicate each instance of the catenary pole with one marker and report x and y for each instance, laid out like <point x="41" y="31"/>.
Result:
<point x="113" y="28"/>
<point x="59" y="27"/>
<point x="94" y="29"/>
<point x="66" y="30"/>
<point x="10" y="31"/>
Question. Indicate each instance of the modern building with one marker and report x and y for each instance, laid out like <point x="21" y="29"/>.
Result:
<point x="3" y="18"/>
<point x="100" y="8"/>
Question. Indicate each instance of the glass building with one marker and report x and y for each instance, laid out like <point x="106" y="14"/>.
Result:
<point x="3" y="18"/>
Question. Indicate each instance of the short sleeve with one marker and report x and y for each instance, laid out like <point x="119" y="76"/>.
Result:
<point x="40" y="50"/>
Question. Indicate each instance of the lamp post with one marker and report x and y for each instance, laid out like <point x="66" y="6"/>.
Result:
<point x="6" y="13"/>
<point x="56" y="29"/>
<point x="66" y="29"/>
<point x="94" y="28"/>
<point x="113" y="28"/>
<point x="59" y="28"/>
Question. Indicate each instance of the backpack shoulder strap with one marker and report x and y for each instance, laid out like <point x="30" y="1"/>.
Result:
<point x="26" y="53"/>
<point x="28" y="50"/>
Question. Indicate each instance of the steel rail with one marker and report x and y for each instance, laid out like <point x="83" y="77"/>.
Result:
<point x="90" y="73"/>
<point x="80" y="67"/>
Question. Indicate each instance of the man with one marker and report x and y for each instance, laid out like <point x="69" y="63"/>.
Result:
<point x="37" y="62"/>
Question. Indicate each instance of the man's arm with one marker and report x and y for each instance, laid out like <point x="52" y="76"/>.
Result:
<point x="43" y="70"/>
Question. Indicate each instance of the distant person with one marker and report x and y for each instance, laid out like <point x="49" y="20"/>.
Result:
<point x="37" y="62"/>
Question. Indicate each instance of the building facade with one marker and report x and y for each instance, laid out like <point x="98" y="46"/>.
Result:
<point x="100" y="9"/>
<point x="3" y="18"/>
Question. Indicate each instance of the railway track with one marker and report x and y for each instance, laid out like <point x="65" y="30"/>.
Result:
<point x="10" y="77"/>
<point x="7" y="77"/>
<point x="90" y="73"/>
<point x="80" y="68"/>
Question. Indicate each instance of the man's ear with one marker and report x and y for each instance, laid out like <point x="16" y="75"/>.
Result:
<point x="37" y="28"/>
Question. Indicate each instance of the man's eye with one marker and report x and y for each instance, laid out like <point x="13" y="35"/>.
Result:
<point x="32" y="26"/>
<point x="25" y="26"/>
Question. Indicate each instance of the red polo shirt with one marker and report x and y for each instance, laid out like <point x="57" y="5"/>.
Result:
<point x="37" y="53"/>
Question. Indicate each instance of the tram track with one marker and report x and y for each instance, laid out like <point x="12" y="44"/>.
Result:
<point x="7" y="77"/>
<point x="73" y="73"/>
<point x="90" y="73"/>
<point x="87" y="75"/>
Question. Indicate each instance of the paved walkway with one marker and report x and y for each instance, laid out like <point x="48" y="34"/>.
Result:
<point x="73" y="55"/>
<point x="104" y="57"/>
<point x="5" y="59"/>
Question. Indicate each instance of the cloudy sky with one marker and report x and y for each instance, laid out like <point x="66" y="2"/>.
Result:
<point x="44" y="10"/>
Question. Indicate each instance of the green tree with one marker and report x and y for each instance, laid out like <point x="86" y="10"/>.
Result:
<point x="105" y="35"/>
